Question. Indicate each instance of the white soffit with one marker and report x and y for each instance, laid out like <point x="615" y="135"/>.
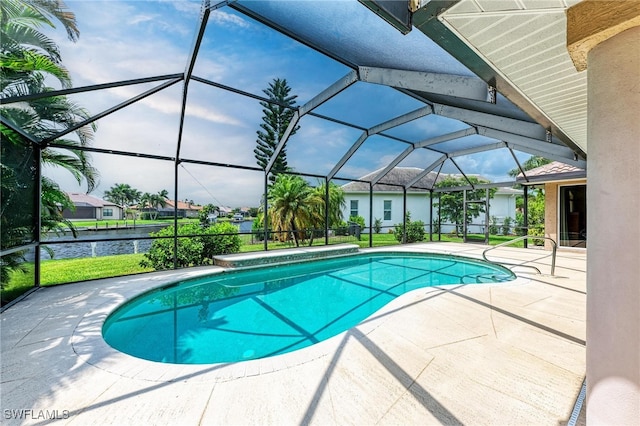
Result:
<point x="525" y="42"/>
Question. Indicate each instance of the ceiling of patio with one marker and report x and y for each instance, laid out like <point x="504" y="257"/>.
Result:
<point x="423" y="99"/>
<point x="421" y="69"/>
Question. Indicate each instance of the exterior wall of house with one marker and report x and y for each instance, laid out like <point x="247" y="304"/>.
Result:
<point x="501" y="206"/>
<point x="417" y="205"/>
<point x="551" y="212"/>
<point x="109" y="213"/>
<point x="613" y="301"/>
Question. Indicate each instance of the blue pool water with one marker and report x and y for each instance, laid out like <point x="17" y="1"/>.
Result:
<point x="240" y="315"/>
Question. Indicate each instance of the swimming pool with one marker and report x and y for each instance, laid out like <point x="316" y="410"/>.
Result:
<point x="240" y="315"/>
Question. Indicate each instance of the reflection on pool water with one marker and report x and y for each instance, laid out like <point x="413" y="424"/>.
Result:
<point x="240" y="315"/>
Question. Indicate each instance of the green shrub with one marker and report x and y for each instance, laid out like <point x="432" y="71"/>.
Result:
<point x="377" y="225"/>
<point x="493" y="227"/>
<point x="193" y="250"/>
<point x="415" y="230"/>
<point x="357" y="219"/>
<point x="257" y="229"/>
<point x="506" y="225"/>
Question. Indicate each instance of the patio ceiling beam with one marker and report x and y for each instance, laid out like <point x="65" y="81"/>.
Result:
<point x="511" y="125"/>
<point x="400" y="120"/>
<point x="477" y="149"/>
<point x="462" y="173"/>
<point x="426" y="171"/>
<point x="363" y="136"/>
<point x="316" y="101"/>
<point x="205" y="11"/>
<point x="379" y="128"/>
<point x="442" y="84"/>
<point x="424" y="144"/>
<point x="10" y="124"/>
<point x="331" y="91"/>
<point x="513" y="154"/>
<point x="470" y="131"/>
<point x="489" y="185"/>
<point x="74" y="90"/>
<point x="112" y="110"/>
<point x="540" y="147"/>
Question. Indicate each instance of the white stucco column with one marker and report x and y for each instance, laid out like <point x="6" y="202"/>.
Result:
<point x="613" y="223"/>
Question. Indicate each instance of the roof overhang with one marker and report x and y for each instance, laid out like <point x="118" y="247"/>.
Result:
<point x="520" y="47"/>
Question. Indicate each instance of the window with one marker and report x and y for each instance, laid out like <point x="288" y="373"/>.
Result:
<point x="387" y="210"/>
<point x="354" y="208"/>
<point x="107" y="212"/>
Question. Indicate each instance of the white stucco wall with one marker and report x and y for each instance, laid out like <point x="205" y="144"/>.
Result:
<point x="613" y="220"/>
<point x="501" y="206"/>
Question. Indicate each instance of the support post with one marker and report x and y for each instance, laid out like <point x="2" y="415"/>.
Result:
<point x="37" y="213"/>
<point x="265" y="217"/>
<point x="326" y="211"/>
<point x="464" y="216"/>
<point x="525" y="212"/>
<point x="439" y="217"/>
<point x="370" y="214"/>
<point x="404" y="215"/>
<point x="486" y="217"/>
<point x="431" y="215"/>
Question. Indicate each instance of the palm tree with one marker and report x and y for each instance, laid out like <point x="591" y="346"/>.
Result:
<point x="123" y="195"/>
<point x="337" y="202"/>
<point x="27" y="52"/>
<point x="153" y="202"/>
<point x="27" y="57"/>
<point x="293" y="206"/>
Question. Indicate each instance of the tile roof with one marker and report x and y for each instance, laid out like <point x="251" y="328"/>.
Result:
<point x="88" y="200"/>
<point x="552" y="172"/>
<point x="396" y="179"/>
<point x="555" y="167"/>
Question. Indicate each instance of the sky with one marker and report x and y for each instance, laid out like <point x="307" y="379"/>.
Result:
<point x="137" y="39"/>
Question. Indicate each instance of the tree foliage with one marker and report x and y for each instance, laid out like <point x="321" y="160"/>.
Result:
<point x="123" y="195"/>
<point x="531" y="163"/>
<point x="197" y="249"/>
<point x="294" y="208"/>
<point x="451" y="203"/>
<point x="337" y="202"/>
<point x="277" y="116"/>
<point x="152" y="202"/>
<point x="28" y="58"/>
<point x="414" y="230"/>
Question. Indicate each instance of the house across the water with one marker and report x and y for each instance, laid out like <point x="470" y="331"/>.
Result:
<point x="90" y="207"/>
<point x="388" y="199"/>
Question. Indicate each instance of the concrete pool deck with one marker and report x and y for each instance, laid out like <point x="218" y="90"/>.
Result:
<point x="508" y="353"/>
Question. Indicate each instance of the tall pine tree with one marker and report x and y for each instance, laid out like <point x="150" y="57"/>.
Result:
<point x="276" y="118"/>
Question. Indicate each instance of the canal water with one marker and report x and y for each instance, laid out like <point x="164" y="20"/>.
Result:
<point x="81" y="248"/>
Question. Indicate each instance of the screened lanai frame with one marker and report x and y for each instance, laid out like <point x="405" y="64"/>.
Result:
<point x="457" y="96"/>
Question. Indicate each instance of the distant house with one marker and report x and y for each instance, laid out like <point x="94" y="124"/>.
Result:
<point x="565" y="202"/>
<point x="225" y="211"/>
<point x="185" y="209"/>
<point x="90" y="207"/>
<point x="388" y="199"/>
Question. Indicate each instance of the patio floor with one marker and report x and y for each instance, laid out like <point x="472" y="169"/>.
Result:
<point x="509" y="353"/>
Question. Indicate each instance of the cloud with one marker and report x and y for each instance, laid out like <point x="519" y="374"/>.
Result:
<point x="127" y="40"/>
<point x="227" y="19"/>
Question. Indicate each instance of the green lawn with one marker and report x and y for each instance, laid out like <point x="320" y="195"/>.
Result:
<point x="60" y="271"/>
<point x="72" y="270"/>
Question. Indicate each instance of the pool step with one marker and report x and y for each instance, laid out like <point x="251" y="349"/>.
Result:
<point x="240" y="260"/>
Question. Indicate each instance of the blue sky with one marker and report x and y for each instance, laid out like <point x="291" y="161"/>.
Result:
<point x="136" y="39"/>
